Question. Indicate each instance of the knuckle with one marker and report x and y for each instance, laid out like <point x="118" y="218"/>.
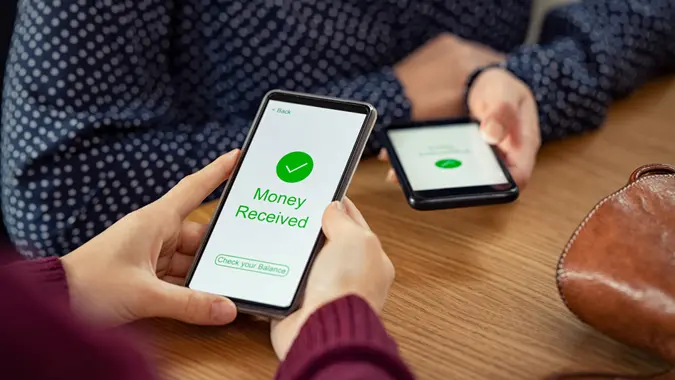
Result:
<point x="148" y="215"/>
<point x="136" y="218"/>
<point x="186" y="180"/>
<point x="446" y="38"/>
<point x="371" y="241"/>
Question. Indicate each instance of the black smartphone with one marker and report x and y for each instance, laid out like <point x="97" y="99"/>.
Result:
<point x="444" y="164"/>
<point x="300" y="155"/>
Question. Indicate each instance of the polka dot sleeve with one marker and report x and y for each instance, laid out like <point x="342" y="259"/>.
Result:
<point x="109" y="104"/>
<point x="83" y="142"/>
<point x="592" y="53"/>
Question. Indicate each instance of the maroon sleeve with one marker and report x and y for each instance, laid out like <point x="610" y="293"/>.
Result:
<point x="344" y="340"/>
<point x="41" y="339"/>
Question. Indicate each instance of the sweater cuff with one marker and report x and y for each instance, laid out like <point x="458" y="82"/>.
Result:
<point x="48" y="273"/>
<point x="345" y="329"/>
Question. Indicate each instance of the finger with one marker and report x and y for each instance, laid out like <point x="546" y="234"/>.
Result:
<point x="529" y="117"/>
<point x="336" y="221"/>
<point x="383" y="155"/>
<point x="391" y="176"/>
<point x="191" y="306"/>
<point x="190" y="237"/>
<point x="495" y="103"/>
<point x="497" y="125"/>
<point x="179" y="265"/>
<point x="521" y="171"/>
<point x="489" y="90"/>
<point x="521" y="158"/>
<point x="193" y="189"/>
<point x="355" y="213"/>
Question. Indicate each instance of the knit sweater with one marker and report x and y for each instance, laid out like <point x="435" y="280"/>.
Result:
<point x="41" y="339"/>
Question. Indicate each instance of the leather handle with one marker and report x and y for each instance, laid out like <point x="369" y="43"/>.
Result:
<point x="651" y="169"/>
<point x="668" y="375"/>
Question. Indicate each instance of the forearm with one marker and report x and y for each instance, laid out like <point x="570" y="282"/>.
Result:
<point x="344" y="340"/>
<point x="592" y="53"/>
<point x="42" y="338"/>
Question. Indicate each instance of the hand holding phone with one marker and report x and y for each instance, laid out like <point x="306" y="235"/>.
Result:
<point x="135" y="268"/>
<point x="446" y="164"/>
<point x="351" y="262"/>
<point x="299" y="156"/>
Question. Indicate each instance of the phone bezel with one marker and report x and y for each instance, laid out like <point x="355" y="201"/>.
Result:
<point x="448" y="197"/>
<point x="265" y="310"/>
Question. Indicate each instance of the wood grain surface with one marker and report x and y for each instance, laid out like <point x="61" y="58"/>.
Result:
<point x="475" y="295"/>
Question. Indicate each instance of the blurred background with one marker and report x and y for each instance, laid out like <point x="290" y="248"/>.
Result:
<point x="8" y="12"/>
<point x="6" y="24"/>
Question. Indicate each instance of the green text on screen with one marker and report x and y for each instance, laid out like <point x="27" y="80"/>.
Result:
<point x="271" y="218"/>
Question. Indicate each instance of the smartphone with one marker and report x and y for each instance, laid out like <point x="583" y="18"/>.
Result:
<point x="300" y="155"/>
<point x="445" y="164"/>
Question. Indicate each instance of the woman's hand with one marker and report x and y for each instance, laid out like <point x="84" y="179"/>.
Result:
<point x="136" y="268"/>
<point x="351" y="263"/>
<point x="509" y="119"/>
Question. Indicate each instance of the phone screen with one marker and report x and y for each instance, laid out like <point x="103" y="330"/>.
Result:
<point x="446" y="156"/>
<point x="266" y="229"/>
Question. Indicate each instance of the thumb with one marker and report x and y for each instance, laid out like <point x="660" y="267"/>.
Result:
<point x="495" y="104"/>
<point x="336" y="221"/>
<point x="192" y="306"/>
<point x="498" y="122"/>
<point x="492" y="130"/>
<point x="191" y="191"/>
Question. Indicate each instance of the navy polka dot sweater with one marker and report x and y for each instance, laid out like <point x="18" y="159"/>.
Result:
<point x="107" y="104"/>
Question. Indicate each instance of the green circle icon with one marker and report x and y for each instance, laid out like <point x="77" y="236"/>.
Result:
<point x="295" y="167"/>
<point x="448" y="163"/>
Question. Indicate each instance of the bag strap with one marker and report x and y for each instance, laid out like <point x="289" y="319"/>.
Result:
<point x="651" y="169"/>
<point x="668" y="375"/>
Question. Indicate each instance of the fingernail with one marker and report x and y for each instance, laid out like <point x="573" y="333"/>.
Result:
<point x="382" y="155"/>
<point x="221" y="311"/>
<point x="491" y="132"/>
<point x="339" y="206"/>
<point x="390" y="176"/>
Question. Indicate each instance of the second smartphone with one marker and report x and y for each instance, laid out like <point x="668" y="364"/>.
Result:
<point x="299" y="156"/>
<point x="445" y="164"/>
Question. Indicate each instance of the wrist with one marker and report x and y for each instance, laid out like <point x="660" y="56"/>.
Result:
<point x="298" y="321"/>
<point x="289" y="329"/>
<point x="471" y="80"/>
<point x="426" y="104"/>
<point x="89" y="294"/>
<point x="73" y="280"/>
<point x="347" y="325"/>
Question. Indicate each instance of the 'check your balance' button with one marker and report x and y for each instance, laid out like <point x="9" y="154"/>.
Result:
<point x="251" y="265"/>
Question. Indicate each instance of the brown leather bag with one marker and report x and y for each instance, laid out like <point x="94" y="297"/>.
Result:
<point x="617" y="272"/>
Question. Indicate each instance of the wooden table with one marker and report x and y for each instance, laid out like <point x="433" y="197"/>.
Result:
<point x="475" y="296"/>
